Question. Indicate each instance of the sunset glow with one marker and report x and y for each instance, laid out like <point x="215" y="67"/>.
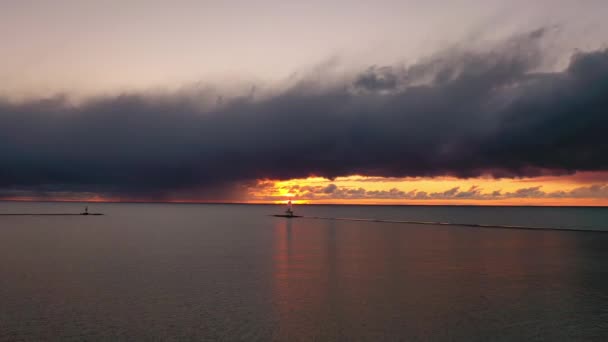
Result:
<point x="580" y="189"/>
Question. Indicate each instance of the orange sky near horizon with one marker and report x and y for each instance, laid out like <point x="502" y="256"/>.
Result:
<point x="570" y="190"/>
<point x="579" y="189"/>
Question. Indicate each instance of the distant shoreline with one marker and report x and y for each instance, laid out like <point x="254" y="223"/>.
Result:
<point x="454" y="224"/>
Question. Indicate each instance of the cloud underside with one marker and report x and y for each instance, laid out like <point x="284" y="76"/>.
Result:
<point x="459" y="113"/>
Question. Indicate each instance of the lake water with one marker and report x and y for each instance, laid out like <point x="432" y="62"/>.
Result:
<point x="231" y="272"/>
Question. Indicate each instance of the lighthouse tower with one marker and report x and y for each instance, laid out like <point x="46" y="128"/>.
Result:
<point x="289" y="211"/>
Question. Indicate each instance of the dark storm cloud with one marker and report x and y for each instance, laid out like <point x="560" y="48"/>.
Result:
<point x="377" y="79"/>
<point x="460" y="113"/>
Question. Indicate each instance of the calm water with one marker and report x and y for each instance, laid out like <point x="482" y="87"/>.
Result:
<point x="230" y="272"/>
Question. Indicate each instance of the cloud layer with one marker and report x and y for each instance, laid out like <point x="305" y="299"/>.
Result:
<point x="332" y="191"/>
<point x="460" y="113"/>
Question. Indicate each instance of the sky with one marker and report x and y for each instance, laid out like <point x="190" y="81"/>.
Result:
<point x="361" y="102"/>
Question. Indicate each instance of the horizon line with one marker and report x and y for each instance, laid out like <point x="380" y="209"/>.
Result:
<point x="301" y="204"/>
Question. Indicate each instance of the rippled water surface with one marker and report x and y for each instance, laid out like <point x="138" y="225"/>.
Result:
<point x="231" y="272"/>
